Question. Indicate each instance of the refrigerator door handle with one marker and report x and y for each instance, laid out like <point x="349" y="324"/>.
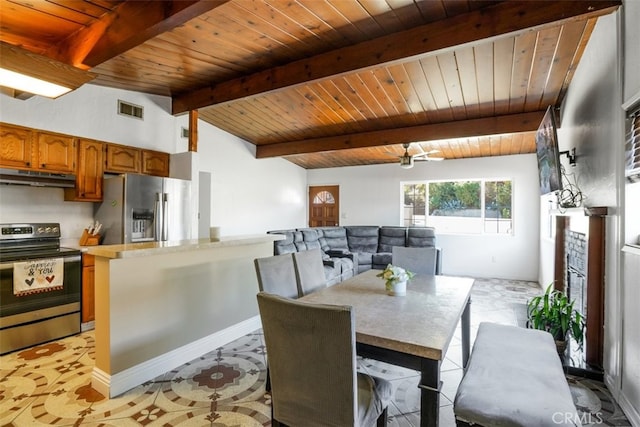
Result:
<point x="165" y="216"/>
<point x="158" y="218"/>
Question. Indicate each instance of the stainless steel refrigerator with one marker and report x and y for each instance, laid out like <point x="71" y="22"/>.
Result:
<point x="142" y="208"/>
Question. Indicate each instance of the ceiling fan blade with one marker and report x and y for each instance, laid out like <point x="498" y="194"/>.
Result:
<point x="428" y="159"/>
<point x="426" y="153"/>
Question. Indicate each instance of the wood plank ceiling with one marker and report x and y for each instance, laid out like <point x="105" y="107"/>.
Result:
<point x="327" y="83"/>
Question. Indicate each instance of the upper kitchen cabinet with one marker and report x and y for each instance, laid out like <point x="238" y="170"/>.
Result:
<point x="55" y="153"/>
<point x="122" y="159"/>
<point x="15" y="150"/>
<point x="155" y="163"/>
<point x="24" y="148"/>
<point x="90" y="172"/>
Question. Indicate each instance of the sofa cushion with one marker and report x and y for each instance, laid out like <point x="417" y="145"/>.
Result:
<point x="311" y="239"/>
<point x="391" y="236"/>
<point x="363" y="239"/>
<point x="333" y="238"/>
<point x="420" y="237"/>
<point x="381" y="260"/>
<point x="285" y="246"/>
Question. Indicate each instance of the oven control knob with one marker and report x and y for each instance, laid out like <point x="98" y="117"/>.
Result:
<point x="40" y="230"/>
<point x="54" y="229"/>
<point x="48" y="229"/>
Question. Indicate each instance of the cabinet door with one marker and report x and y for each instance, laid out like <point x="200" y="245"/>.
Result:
<point x="56" y="153"/>
<point x="89" y="174"/>
<point x="122" y="159"/>
<point x="16" y="147"/>
<point x="88" y="288"/>
<point x="155" y="163"/>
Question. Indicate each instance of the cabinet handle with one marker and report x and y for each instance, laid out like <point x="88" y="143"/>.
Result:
<point x="28" y="163"/>
<point x="44" y="165"/>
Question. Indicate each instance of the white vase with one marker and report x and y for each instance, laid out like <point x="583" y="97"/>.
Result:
<point x="398" y="289"/>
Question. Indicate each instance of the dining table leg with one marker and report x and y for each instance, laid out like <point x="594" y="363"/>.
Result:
<point x="466" y="333"/>
<point x="430" y="386"/>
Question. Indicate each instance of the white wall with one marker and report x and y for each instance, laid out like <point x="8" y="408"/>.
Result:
<point x="592" y="122"/>
<point x="370" y="195"/>
<point x="248" y="195"/>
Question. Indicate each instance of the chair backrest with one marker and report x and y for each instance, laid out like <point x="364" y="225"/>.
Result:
<point x="312" y="361"/>
<point x="309" y="271"/>
<point x="416" y="260"/>
<point x="277" y="275"/>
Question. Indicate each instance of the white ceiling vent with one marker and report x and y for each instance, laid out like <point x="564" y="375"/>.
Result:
<point x="131" y="110"/>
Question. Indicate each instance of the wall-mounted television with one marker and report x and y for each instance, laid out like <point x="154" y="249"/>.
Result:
<point x="548" y="154"/>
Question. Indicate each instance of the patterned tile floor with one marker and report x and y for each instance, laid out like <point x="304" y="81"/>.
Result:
<point x="49" y="384"/>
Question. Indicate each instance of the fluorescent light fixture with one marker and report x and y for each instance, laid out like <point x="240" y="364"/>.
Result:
<point x="31" y="84"/>
<point x="26" y="71"/>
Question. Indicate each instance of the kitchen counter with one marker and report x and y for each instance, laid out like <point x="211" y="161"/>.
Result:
<point x="162" y="304"/>
<point x="132" y="250"/>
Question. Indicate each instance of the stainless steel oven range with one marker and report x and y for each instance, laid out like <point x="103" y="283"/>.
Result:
<point x="40" y="285"/>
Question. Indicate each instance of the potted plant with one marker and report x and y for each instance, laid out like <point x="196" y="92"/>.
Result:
<point x="395" y="279"/>
<point x="553" y="312"/>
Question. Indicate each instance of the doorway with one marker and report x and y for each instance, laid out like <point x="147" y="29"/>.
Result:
<point x="324" y="205"/>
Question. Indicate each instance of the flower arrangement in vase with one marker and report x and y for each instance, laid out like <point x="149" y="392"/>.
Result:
<point x="395" y="279"/>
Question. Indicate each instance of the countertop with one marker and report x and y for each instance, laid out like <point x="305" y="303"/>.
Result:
<point x="132" y="250"/>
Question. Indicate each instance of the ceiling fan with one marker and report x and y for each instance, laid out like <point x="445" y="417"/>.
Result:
<point x="407" y="160"/>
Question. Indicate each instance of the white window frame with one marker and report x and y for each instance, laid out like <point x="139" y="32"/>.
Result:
<point x="481" y="231"/>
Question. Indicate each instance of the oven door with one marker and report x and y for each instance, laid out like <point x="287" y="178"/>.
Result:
<point x="35" y="318"/>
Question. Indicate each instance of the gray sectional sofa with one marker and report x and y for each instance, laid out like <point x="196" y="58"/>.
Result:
<point x="350" y="250"/>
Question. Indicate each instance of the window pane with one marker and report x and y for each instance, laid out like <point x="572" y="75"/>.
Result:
<point x="497" y="207"/>
<point x="323" y="197"/>
<point x="414" y="204"/>
<point x="461" y="198"/>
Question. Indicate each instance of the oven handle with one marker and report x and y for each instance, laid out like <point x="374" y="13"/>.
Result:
<point x="8" y="265"/>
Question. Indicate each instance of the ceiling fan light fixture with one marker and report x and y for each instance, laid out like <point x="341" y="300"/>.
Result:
<point x="406" y="162"/>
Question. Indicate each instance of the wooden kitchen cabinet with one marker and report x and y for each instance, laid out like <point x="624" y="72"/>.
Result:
<point x="24" y="148"/>
<point x="122" y="159"/>
<point x="88" y="288"/>
<point x="89" y="173"/>
<point x="16" y="146"/>
<point x="55" y="153"/>
<point x="155" y="163"/>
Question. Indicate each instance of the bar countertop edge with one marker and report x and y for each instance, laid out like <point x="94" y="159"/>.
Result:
<point x="133" y="250"/>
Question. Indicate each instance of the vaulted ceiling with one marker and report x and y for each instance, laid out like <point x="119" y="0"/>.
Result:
<point x="326" y="83"/>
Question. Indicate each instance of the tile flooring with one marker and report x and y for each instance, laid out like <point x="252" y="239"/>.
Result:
<point x="49" y="384"/>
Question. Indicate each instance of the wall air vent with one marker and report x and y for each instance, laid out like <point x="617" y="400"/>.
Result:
<point x="184" y="132"/>
<point x="131" y="110"/>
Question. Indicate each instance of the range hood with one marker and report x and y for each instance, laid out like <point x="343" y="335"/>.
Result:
<point x="36" y="179"/>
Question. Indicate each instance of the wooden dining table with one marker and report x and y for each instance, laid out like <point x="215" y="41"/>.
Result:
<point x="412" y="331"/>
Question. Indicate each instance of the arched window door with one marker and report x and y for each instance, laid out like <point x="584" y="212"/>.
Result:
<point x="324" y="206"/>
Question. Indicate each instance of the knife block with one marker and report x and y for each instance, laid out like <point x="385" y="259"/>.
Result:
<point x="89" y="239"/>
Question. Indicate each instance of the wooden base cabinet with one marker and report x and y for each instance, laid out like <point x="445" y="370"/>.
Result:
<point x="88" y="288"/>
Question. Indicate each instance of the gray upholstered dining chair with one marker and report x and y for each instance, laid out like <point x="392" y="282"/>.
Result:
<point x="276" y="275"/>
<point x="312" y="355"/>
<point x="309" y="271"/>
<point x="416" y="260"/>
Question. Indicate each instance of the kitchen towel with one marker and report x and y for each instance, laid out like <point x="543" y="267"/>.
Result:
<point x="41" y="275"/>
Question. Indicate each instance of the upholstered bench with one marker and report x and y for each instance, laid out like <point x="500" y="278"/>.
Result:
<point x="514" y="378"/>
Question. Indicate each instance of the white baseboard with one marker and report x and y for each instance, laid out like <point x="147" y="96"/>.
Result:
<point x="632" y="413"/>
<point x="114" y="385"/>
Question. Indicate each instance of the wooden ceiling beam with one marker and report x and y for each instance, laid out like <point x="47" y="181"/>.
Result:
<point x="512" y="123"/>
<point x="501" y="20"/>
<point x="130" y="24"/>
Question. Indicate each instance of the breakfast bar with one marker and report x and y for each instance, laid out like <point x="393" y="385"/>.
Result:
<point x="163" y="304"/>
